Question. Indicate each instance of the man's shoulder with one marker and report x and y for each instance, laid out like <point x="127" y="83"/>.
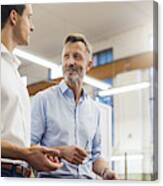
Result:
<point x="51" y="91"/>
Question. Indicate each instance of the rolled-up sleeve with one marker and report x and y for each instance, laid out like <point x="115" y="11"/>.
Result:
<point x="38" y="120"/>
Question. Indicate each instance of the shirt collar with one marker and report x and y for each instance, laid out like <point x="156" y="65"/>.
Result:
<point x="10" y="56"/>
<point x="66" y="90"/>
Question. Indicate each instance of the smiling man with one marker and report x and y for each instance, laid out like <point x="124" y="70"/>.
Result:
<point x="65" y="117"/>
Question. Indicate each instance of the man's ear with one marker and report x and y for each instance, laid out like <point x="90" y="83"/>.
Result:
<point x="90" y="64"/>
<point x="13" y="17"/>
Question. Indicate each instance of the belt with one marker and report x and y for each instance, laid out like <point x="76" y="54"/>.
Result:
<point x="25" y="172"/>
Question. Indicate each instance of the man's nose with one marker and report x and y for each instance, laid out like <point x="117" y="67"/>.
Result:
<point x="32" y="28"/>
<point x="71" y="61"/>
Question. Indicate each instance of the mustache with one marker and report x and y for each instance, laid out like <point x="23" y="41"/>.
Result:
<point x="72" y="68"/>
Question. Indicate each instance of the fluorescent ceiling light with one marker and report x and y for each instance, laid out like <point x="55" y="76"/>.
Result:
<point x="57" y="69"/>
<point x="123" y="89"/>
<point x="96" y="83"/>
<point x="35" y="59"/>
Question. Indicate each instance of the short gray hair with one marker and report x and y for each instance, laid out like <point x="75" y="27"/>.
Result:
<point x="78" y="37"/>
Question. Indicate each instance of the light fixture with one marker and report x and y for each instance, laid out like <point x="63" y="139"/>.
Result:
<point x="35" y="59"/>
<point x="57" y="69"/>
<point x="96" y="83"/>
<point x="123" y="89"/>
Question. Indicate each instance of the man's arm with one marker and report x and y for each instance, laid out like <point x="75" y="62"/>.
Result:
<point x="36" y="156"/>
<point x="9" y="150"/>
<point x="101" y="168"/>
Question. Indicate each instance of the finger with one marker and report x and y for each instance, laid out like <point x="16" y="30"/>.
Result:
<point x="82" y="152"/>
<point x="50" y="157"/>
<point x="79" y="156"/>
<point x="50" y="151"/>
<point x="116" y="176"/>
<point x="110" y="176"/>
<point x="56" y="160"/>
<point x="53" y="158"/>
<point x="77" y="160"/>
<point x="53" y="165"/>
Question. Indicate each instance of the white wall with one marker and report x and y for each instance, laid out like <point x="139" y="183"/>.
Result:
<point x="128" y="43"/>
<point x="34" y="73"/>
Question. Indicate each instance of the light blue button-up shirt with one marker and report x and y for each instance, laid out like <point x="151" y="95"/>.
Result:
<point x="57" y="121"/>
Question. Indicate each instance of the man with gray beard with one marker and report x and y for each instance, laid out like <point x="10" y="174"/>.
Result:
<point x="65" y="117"/>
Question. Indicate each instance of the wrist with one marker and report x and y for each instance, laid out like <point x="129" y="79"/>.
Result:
<point x="26" y="154"/>
<point x="61" y="149"/>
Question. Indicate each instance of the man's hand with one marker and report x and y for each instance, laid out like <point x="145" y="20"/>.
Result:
<point x="73" y="154"/>
<point x="43" y="159"/>
<point x="109" y="174"/>
<point x="101" y="168"/>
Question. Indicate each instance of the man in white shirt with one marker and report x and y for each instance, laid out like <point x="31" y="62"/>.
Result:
<point x="16" y="152"/>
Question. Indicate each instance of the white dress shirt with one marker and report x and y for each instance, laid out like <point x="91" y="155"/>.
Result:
<point x="15" y="103"/>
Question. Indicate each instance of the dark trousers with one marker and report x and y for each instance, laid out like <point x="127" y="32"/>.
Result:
<point x="10" y="173"/>
<point x="15" y="170"/>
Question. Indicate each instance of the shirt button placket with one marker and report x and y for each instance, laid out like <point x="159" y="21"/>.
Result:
<point x="76" y="131"/>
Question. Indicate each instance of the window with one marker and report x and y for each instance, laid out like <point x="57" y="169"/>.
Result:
<point x="101" y="58"/>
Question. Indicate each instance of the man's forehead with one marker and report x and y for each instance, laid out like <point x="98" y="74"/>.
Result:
<point x="75" y="46"/>
<point x="28" y="8"/>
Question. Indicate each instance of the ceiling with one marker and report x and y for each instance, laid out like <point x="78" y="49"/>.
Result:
<point x="97" y="21"/>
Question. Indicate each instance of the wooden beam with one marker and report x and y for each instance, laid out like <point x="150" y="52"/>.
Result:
<point x="36" y="87"/>
<point x="121" y="65"/>
<point x="105" y="71"/>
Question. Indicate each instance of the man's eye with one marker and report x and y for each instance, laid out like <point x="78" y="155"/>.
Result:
<point x="66" y="56"/>
<point x="77" y="56"/>
<point x="29" y="16"/>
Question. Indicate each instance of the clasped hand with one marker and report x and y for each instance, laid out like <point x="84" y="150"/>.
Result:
<point x="43" y="158"/>
<point x="73" y="154"/>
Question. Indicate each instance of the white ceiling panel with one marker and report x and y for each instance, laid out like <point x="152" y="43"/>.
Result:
<point x="97" y="21"/>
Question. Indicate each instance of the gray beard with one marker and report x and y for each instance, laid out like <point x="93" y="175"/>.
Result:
<point x="72" y="81"/>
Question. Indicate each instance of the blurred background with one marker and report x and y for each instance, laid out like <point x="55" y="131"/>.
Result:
<point x="123" y="80"/>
